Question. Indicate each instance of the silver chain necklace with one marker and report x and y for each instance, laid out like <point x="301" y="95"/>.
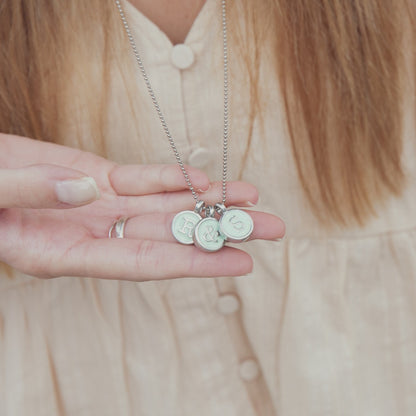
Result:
<point x="189" y="227"/>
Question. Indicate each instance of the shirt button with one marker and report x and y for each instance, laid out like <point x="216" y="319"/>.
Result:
<point x="228" y="304"/>
<point x="199" y="157"/>
<point x="182" y="56"/>
<point x="249" y="370"/>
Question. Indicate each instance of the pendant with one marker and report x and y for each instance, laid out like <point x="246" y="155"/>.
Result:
<point x="207" y="236"/>
<point x="236" y="225"/>
<point x="183" y="225"/>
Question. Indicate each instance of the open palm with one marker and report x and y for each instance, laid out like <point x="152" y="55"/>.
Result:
<point x="56" y="242"/>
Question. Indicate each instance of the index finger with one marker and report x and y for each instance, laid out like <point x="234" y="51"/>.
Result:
<point x="130" y="180"/>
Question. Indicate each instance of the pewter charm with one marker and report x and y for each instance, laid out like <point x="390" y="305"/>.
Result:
<point x="236" y="225"/>
<point x="207" y="236"/>
<point x="183" y="225"/>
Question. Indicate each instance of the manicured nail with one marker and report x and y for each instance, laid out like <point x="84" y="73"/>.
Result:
<point x="248" y="204"/>
<point x="77" y="191"/>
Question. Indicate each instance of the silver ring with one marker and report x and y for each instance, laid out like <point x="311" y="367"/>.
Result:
<point x="118" y="226"/>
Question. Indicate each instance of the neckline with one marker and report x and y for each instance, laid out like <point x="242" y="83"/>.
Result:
<point x="151" y="29"/>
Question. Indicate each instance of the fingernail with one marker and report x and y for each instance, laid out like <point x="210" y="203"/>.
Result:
<point x="248" y="204"/>
<point x="77" y="191"/>
<point x="204" y="190"/>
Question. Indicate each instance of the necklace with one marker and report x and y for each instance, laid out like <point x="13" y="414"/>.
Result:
<point x="200" y="226"/>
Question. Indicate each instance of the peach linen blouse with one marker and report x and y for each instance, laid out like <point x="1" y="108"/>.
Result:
<point x="324" y="326"/>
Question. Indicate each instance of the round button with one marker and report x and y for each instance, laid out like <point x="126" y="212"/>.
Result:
<point x="182" y="56"/>
<point x="200" y="157"/>
<point x="249" y="370"/>
<point x="228" y="304"/>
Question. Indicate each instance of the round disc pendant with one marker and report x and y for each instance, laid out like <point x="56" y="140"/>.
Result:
<point x="207" y="236"/>
<point x="183" y="225"/>
<point x="236" y="225"/>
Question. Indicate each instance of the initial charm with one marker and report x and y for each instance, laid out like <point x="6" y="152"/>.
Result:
<point x="236" y="225"/>
<point x="207" y="236"/>
<point x="183" y="226"/>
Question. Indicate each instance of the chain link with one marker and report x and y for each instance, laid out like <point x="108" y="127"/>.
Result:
<point x="159" y="111"/>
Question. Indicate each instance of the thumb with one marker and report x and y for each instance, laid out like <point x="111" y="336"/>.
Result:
<point x="46" y="186"/>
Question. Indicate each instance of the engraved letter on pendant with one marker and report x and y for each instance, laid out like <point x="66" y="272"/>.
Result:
<point x="207" y="236"/>
<point x="211" y="235"/>
<point x="236" y="225"/>
<point x="183" y="226"/>
<point x="187" y="227"/>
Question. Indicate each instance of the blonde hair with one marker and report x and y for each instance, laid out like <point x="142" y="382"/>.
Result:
<point x="340" y="65"/>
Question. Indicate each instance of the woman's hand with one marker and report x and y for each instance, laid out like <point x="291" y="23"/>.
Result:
<point x="45" y="231"/>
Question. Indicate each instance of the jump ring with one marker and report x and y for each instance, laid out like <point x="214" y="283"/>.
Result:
<point x="199" y="206"/>
<point x="209" y="211"/>
<point x="220" y="208"/>
<point x="118" y="226"/>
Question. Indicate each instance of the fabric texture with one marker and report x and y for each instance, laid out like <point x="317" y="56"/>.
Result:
<point x="325" y="325"/>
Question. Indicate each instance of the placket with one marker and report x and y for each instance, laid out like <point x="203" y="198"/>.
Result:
<point x="207" y="314"/>
<point x="157" y="53"/>
<point x="203" y="92"/>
